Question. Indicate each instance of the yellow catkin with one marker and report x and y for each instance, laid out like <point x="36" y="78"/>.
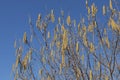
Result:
<point x="68" y="20"/>
<point x="118" y="67"/>
<point x="25" y="38"/>
<point x="82" y="58"/>
<point x="83" y="21"/>
<point x="90" y="75"/>
<point x="25" y="62"/>
<point x="60" y="71"/>
<point x="16" y="75"/>
<point x="15" y="44"/>
<point x="85" y="40"/>
<point x="110" y="4"/>
<point x="86" y="3"/>
<point x="63" y="59"/>
<point x="48" y="78"/>
<point x="77" y="47"/>
<point x="106" y="77"/>
<point x="79" y="27"/>
<point x="104" y="10"/>
<point x="94" y="23"/>
<point x="52" y="16"/>
<point x="114" y="25"/>
<point x="93" y="9"/>
<point x="51" y="55"/>
<point x="29" y="54"/>
<point x="31" y="38"/>
<point x="105" y="32"/>
<point x="56" y="29"/>
<point x="48" y="34"/>
<point x="90" y="28"/>
<point x="91" y="47"/>
<point x="39" y="17"/>
<point x="79" y="31"/>
<point x="88" y="10"/>
<point x="98" y="66"/>
<point x="74" y="23"/>
<point x="109" y="23"/>
<point x="107" y="42"/>
<point x="62" y="28"/>
<point x="62" y="13"/>
<point x="108" y="64"/>
<point x="78" y="73"/>
<point x="18" y="57"/>
<point x="13" y="67"/>
<point x="43" y="78"/>
<point x="84" y="29"/>
<point x="58" y="44"/>
<point x="55" y="36"/>
<point x="16" y="64"/>
<point x="40" y="72"/>
<point x="65" y="39"/>
<point x="59" y="20"/>
<point x="43" y="59"/>
<point x="38" y="21"/>
<point x="64" y="45"/>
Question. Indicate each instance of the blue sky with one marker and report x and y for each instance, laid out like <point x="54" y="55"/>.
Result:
<point x="14" y="22"/>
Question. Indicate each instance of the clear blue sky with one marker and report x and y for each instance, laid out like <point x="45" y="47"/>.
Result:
<point x="14" y="21"/>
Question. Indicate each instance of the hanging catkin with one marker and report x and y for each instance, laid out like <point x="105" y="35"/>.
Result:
<point x="68" y="20"/>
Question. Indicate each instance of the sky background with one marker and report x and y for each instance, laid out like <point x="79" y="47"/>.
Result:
<point x="14" y="22"/>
